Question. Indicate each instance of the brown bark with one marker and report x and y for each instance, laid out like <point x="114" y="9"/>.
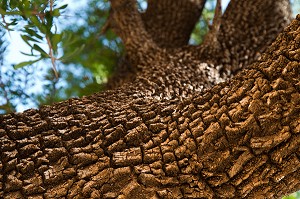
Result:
<point x="171" y="29"/>
<point x="159" y="24"/>
<point x="246" y="28"/>
<point x="159" y="137"/>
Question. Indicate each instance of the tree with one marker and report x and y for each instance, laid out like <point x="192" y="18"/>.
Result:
<point x="93" y="65"/>
<point x="218" y="120"/>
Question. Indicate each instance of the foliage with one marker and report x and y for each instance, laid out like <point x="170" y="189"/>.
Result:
<point x="14" y="84"/>
<point x="14" y="88"/>
<point x="101" y="51"/>
<point x="293" y="196"/>
<point x="37" y="22"/>
<point x="88" y="56"/>
<point x="202" y="27"/>
<point x="38" y="26"/>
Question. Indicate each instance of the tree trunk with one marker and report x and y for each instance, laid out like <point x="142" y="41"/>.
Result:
<point x="180" y="127"/>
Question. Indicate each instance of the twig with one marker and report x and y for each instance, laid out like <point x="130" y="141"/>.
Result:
<point x="211" y="36"/>
<point x="105" y="27"/>
<point x="53" y="59"/>
<point x="51" y="6"/>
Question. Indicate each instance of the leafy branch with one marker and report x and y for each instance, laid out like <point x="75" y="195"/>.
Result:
<point x="39" y="29"/>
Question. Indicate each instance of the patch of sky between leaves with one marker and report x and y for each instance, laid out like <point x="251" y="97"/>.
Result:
<point x="295" y="7"/>
<point x="142" y="5"/>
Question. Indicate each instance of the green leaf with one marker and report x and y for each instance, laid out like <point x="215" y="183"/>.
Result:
<point x="55" y="39"/>
<point x="27" y="13"/>
<point x="26" y="63"/>
<point x="13" y="13"/>
<point x="42" y="27"/>
<point x="72" y="54"/>
<point x="33" y="33"/>
<point x="2" y="11"/>
<point x="3" y="5"/>
<point x="55" y="13"/>
<point x="26" y="39"/>
<point x="13" y="4"/>
<point x="31" y="55"/>
<point x="35" y="21"/>
<point x="39" y="49"/>
<point x="63" y="7"/>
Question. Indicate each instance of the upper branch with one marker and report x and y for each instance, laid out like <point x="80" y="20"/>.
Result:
<point x="126" y="21"/>
<point x="144" y="39"/>
<point x="241" y="34"/>
<point x="170" y="22"/>
<point x="247" y="27"/>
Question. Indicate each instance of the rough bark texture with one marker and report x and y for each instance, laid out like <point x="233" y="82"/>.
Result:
<point x="246" y="29"/>
<point x="173" y="131"/>
<point x="170" y="22"/>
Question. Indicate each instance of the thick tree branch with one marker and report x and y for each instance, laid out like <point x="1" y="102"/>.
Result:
<point x="237" y="42"/>
<point x="240" y="139"/>
<point x="248" y="27"/>
<point x="211" y="38"/>
<point x="141" y="50"/>
<point x="127" y="23"/>
<point x="170" y="22"/>
<point x="158" y="61"/>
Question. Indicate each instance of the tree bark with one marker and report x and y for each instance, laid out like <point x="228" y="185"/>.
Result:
<point x="246" y="29"/>
<point x="173" y="132"/>
<point x="171" y="29"/>
<point x="166" y="28"/>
